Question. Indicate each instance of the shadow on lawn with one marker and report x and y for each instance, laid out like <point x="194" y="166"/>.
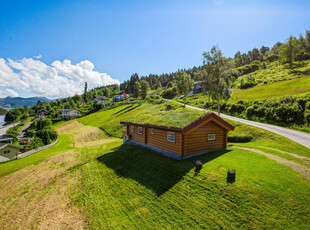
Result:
<point x="127" y="109"/>
<point x="150" y="169"/>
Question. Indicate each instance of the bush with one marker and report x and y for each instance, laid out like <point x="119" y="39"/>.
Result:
<point x="55" y="120"/>
<point x="170" y="92"/>
<point x="248" y="69"/>
<point x="273" y="57"/>
<point x="239" y="139"/>
<point x="307" y="113"/>
<point x="36" y="143"/>
<point x="47" y="135"/>
<point x="31" y="133"/>
<point x="247" y="84"/>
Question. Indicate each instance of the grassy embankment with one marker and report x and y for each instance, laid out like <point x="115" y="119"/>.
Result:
<point x="117" y="186"/>
<point x="289" y="87"/>
<point x="276" y="71"/>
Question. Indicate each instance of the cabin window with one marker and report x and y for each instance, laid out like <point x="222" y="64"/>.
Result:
<point x="211" y="137"/>
<point x="132" y="128"/>
<point x="139" y="130"/>
<point x="171" y="136"/>
<point x="152" y="131"/>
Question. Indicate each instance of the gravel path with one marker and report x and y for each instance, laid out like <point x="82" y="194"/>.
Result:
<point x="23" y="132"/>
<point x="297" y="167"/>
<point x="297" y="136"/>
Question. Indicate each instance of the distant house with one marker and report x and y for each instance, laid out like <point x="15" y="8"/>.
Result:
<point x="197" y="88"/>
<point x="68" y="114"/>
<point x="8" y="152"/>
<point x="101" y="99"/>
<point x="206" y="134"/>
<point x="118" y="98"/>
<point x="42" y="113"/>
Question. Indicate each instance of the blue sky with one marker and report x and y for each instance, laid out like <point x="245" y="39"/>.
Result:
<point x="123" y="37"/>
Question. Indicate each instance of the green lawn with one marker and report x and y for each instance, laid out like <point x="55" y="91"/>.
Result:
<point x="130" y="187"/>
<point x="134" y="188"/>
<point x="277" y="89"/>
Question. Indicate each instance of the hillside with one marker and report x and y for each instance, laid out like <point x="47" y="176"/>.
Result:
<point x="90" y="180"/>
<point x="273" y="80"/>
<point x="275" y="89"/>
<point x="20" y="102"/>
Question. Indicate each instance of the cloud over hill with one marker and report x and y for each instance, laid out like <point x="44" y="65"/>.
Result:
<point x="60" y="79"/>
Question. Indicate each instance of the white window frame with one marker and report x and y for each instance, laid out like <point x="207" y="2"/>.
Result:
<point x="132" y="128"/>
<point x="169" y="137"/>
<point x="211" y="137"/>
<point x="152" y="131"/>
<point x="140" y="129"/>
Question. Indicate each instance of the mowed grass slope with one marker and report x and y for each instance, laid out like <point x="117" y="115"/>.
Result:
<point x="130" y="187"/>
<point x="276" y="89"/>
<point x="93" y="181"/>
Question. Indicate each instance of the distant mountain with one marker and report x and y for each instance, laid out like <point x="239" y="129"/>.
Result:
<point x="19" y="102"/>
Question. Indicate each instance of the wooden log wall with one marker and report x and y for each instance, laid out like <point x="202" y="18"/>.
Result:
<point x="159" y="140"/>
<point x="196" y="141"/>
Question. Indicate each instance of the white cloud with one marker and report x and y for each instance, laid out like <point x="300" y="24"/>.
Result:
<point x="11" y="93"/>
<point x="38" y="56"/>
<point x="60" y="79"/>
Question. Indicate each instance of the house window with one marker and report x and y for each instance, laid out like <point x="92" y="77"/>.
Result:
<point x="132" y="128"/>
<point x="171" y="136"/>
<point x="211" y="137"/>
<point x="152" y="131"/>
<point x="139" y="130"/>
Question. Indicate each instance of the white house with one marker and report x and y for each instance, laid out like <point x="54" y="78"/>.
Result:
<point x="68" y="114"/>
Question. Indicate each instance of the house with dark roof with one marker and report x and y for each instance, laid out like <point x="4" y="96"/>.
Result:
<point x="68" y="114"/>
<point x="8" y="152"/>
<point x="101" y="99"/>
<point x="42" y="113"/>
<point x="197" y="88"/>
<point x="206" y="134"/>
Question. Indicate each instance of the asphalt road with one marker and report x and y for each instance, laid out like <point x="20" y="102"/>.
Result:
<point x="4" y="129"/>
<point x="297" y="136"/>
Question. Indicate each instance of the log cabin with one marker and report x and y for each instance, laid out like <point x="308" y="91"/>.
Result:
<point x="206" y="134"/>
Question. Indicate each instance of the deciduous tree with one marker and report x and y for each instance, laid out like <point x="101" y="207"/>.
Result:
<point x="144" y="88"/>
<point x="219" y="69"/>
<point x="184" y="83"/>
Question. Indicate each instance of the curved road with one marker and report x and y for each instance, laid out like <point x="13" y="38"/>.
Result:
<point x="297" y="136"/>
<point x="5" y="128"/>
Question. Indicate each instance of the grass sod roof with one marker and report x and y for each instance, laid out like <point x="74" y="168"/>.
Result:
<point x="209" y="116"/>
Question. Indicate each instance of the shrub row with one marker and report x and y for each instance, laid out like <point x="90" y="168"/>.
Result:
<point x="239" y="139"/>
<point x="286" y="111"/>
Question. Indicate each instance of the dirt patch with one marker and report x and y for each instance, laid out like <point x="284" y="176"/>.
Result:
<point x="37" y="197"/>
<point x="84" y="136"/>
<point x="292" y="154"/>
<point x="297" y="167"/>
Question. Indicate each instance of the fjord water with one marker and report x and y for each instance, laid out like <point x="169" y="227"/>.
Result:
<point x="1" y="120"/>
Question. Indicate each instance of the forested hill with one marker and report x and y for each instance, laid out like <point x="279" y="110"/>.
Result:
<point x="19" y="102"/>
<point x="293" y="49"/>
